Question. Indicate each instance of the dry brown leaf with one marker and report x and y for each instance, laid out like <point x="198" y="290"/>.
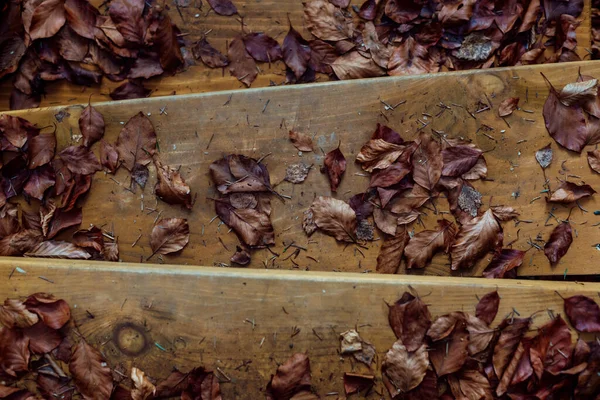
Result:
<point x="449" y="355"/>
<point x="143" y="388"/>
<point x="171" y="188"/>
<point x="91" y="125"/>
<point x="579" y="92"/>
<point x="390" y="253"/>
<point x="508" y="106"/>
<point x="137" y="141"/>
<point x="58" y="249"/>
<point x="326" y="21"/>
<point x="594" y="160"/>
<point x="470" y="385"/>
<point x="14" y="314"/>
<point x="241" y="64"/>
<point x="569" y="192"/>
<point x="350" y="342"/>
<point x="169" y="235"/>
<point x="380" y="53"/>
<point x="253" y="226"/>
<point x="423" y="246"/>
<point x="379" y="154"/>
<point x="301" y="141"/>
<point x="334" y="217"/>
<point x="353" y="65"/>
<point x="504" y="213"/>
<point x="91" y="375"/>
<point x="403" y="369"/>
<point x="427" y="162"/>
<point x="335" y="166"/>
<point x="474" y="240"/>
<point x="292" y="378"/>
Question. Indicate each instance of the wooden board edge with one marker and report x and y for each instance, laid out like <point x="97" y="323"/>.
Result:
<point x="281" y="275"/>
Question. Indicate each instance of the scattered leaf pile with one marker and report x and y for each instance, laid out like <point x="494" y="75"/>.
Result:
<point x="54" y="185"/>
<point x="42" y="354"/>
<point x="49" y="40"/>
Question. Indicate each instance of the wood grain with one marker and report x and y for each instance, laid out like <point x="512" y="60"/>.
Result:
<point x="196" y="130"/>
<point x="196" y="21"/>
<point x="241" y="320"/>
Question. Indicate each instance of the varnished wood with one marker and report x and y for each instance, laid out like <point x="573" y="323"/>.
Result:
<point x="241" y="321"/>
<point x="198" y="129"/>
<point x="270" y="17"/>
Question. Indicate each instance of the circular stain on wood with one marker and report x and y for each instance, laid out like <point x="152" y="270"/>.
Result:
<point x="131" y="339"/>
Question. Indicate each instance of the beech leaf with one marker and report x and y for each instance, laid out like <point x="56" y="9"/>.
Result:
<point x="410" y="320"/>
<point x="223" y="7"/>
<point x="14" y="351"/>
<point x="579" y="92"/>
<point x="559" y="242"/>
<point x="474" y="240"/>
<point x="209" y="55"/>
<point x="81" y="16"/>
<point x="171" y="188"/>
<point x="241" y="64"/>
<point x="137" y="141"/>
<point x="459" y="159"/>
<point x="449" y="355"/>
<point x="48" y="17"/>
<point x="301" y="141"/>
<point x="379" y="154"/>
<point x="354" y="383"/>
<point x="353" y="65"/>
<point x="503" y="262"/>
<point x="262" y="48"/>
<point x="92" y="377"/>
<point x="569" y="192"/>
<point x="91" y="125"/>
<point x="41" y="149"/>
<point x="403" y="369"/>
<point x="296" y="52"/>
<point x="427" y="162"/>
<point x="334" y="217"/>
<point x="326" y="21"/>
<point x="390" y="253"/>
<point x="422" y="246"/>
<point x="253" y="226"/>
<point x="334" y="166"/>
<point x="292" y="376"/>
<point x="109" y="157"/>
<point x="583" y="313"/>
<point x="508" y="106"/>
<point x="487" y="308"/>
<point x="169" y="235"/>
<point x="14" y="314"/>
<point x="469" y="385"/>
<point x="58" y="249"/>
<point x="237" y="173"/>
<point x="80" y="160"/>
<point x="593" y="158"/>
<point x="512" y="331"/>
<point x="566" y="125"/>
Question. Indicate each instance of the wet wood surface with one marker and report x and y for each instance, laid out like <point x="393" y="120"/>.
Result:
<point x="195" y="130"/>
<point x="241" y="321"/>
<point x="197" y="20"/>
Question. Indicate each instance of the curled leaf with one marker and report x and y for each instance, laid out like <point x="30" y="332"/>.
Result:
<point x="474" y="240"/>
<point x="503" y="262"/>
<point x="253" y="226"/>
<point x="379" y="154"/>
<point x="335" y="166"/>
<point x="169" y="235"/>
<point x="508" y="106"/>
<point x="301" y="141"/>
<point x="143" y="388"/>
<point x="58" y="249"/>
<point x="512" y="331"/>
<point x="559" y="242"/>
<point x="171" y="188"/>
<point x="14" y="314"/>
<point x="403" y="369"/>
<point x="292" y="377"/>
<point x="14" y="351"/>
<point x="423" y="245"/>
<point x="334" y="217"/>
<point x="583" y="313"/>
<point x="569" y="192"/>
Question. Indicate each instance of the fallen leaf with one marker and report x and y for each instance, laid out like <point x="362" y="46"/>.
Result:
<point x="241" y="64"/>
<point x="171" y="188"/>
<point x="92" y="238"/>
<point x="503" y="262"/>
<point x="80" y="160"/>
<point x="322" y="55"/>
<point x="569" y="192"/>
<point x="210" y="56"/>
<point x="21" y="242"/>
<point x="137" y="141"/>
<point x="39" y="181"/>
<point x="474" y="240"/>
<point x="552" y="348"/>
<point x="402" y="11"/>
<point x="350" y="342"/>
<point x="334" y="166"/>
<point x="487" y="308"/>
<point x="92" y="377"/>
<point x="392" y="175"/>
<point x="223" y="7"/>
<point x="559" y="242"/>
<point x="355" y="383"/>
<point x="301" y="141"/>
<point x="167" y="45"/>
<point x="308" y="223"/>
<point x="335" y="218"/>
<point x="81" y="16"/>
<point x="410" y="320"/>
<point x="240" y="257"/>
<point x="423" y="245"/>
<point x="252" y="226"/>
<point x="41" y="150"/>
<point x="480" y="334"/>
<point x="479" y="170"/>
<point x="544" y="156"/>
<point x="130" y="90"/>
<point x="292" y="376"/>
<point x="449" y="355"/>
<point x="326" y="21"/>
<point x="47" y="19"/>
<point x="48" y="385"/>
<point x="14" y="314"/>
<point x="143" y="388"/>
<point x="379" y="154"/>
<point x="470" y="384"/>
<point x="71" y="46"/>
<point x="91" y="125"/>
<point x="390" y="253"/>
<point x="139" y="175"/>
<point x="16" y="130"/>
<point x="237" y="173"/>
<point x="296" y="52"/>
<point x="109" y="157"/>
<point x="508" y="106"/>
<point x="262" y="47"/>
<point x="512" y="331"/>
<point x="366" y="355"/>
<point x="368" y="10"/>
<point x="169" y="235"/>
<point x="444" y="325"/>
<point x="579" y="92"/>
<point x="58" y="249"/>
<point x="14" y="351"/>
<point x="583" y="313"/>
<point x="353" y="65"/>
<point x="459" y="159"/>
<point x="411" y="58"/>
<point x="297" y="173"/>
<point x="42" y="339"/>
<point x="427" y="162"/>
<point x="61" y="220"/>
<point x="203" y="384"/>
<point x="504" y="213"/>
<point x="127" y="17"/>
<point x="111" y="251"/>
<point x="405" y="370"/>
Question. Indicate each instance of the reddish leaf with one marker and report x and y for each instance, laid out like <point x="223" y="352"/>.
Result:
<point x="81" y="16"/>
<point x="39" y="181"/>
<point x="237" y="173"/>
<point x="76" y="188"/>
<point x="301" y="141"/>
<point x="14" y="351"/>
<point x="223" y="7"/>
<point x="390" y="253"/>
<point x="58" y="249"/>
<point x="137" y="142"/>
<point x="49" y="385"/>
<point x="322" y="55"/>
<point x="427" y="162"/>
<point x="9" y="220"/>
<point x="508" y="106"/>
<point x="551" y="349"/>
<point x="405" y="370"/>
<point x="355" y="383"/>
<point x="71" y="46"/>
<point x="422" y="246"/>
<point x="335" y="218"/>
<point x="167" y="44"/>
<point x="391" y="175"/>
<point x="291" y="377"/>
<point x="428" y="389"/>
<point x="449" y="355"/>
<point x="368" y="10"/>
<point x="379" y="154"/>
<point x="129" y="90"/>
<point x="80" y="160"/>
<point x="480" y="334"/>
<point x="109" y="157"/>
<point x="559" y="242"/>
<point x="41" y="150"/>
<point x="353" y="65"/>
<point x="402" y="11"/>
<point x="171" y="188"/>
<point x="487" y="308"/>
<point x="241" y="64"/>
<point x="262" y="47"/>
<point x="474" y="240"/>
<point x="19" y="243"/>
<point x="91" y="375"/>
<point x="14" y="314"/>
<point x="409" y="318"/>
<point x="553" y="9"/>
<point x="411" y="58"/>
<point x="16" y="130"/>
<point x="42" y="339"/>
<point x="169" y="235"/>
<point x="334" y="166"/>
<point x="409" y="200"/>
<point x="503" y="262"/>
<point x="459" y="159"/>
<point x="253" y="226"/>
<point x="511" y="334"/>
<point x="583" y="313"/>
<point x="127" y="17"/>
<point x="470" y="384"/>
<point x="92" y="238"/>
<point x="566" y="125"/>
<point x="296" y="52"/>
<point x="48" y="17"/>
<point x="504" y="213"/>
<point x="62" y="220"/>
<point x="54" y="313"/>
<point x="326" y="21"/>
<point x="209" y="55"/>
<point x="91" y="125"/>
<point x="569" y="192"/>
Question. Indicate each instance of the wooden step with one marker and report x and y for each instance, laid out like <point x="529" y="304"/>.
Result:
<point x="157" y="317"/>
<point x="270" y="17"/>
<point x="195" y="130"/>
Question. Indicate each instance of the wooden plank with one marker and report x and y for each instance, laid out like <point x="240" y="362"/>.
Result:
<point x="269" y="17"/>
<point x="199" y="314"/>
<point x="345" y="112"/>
